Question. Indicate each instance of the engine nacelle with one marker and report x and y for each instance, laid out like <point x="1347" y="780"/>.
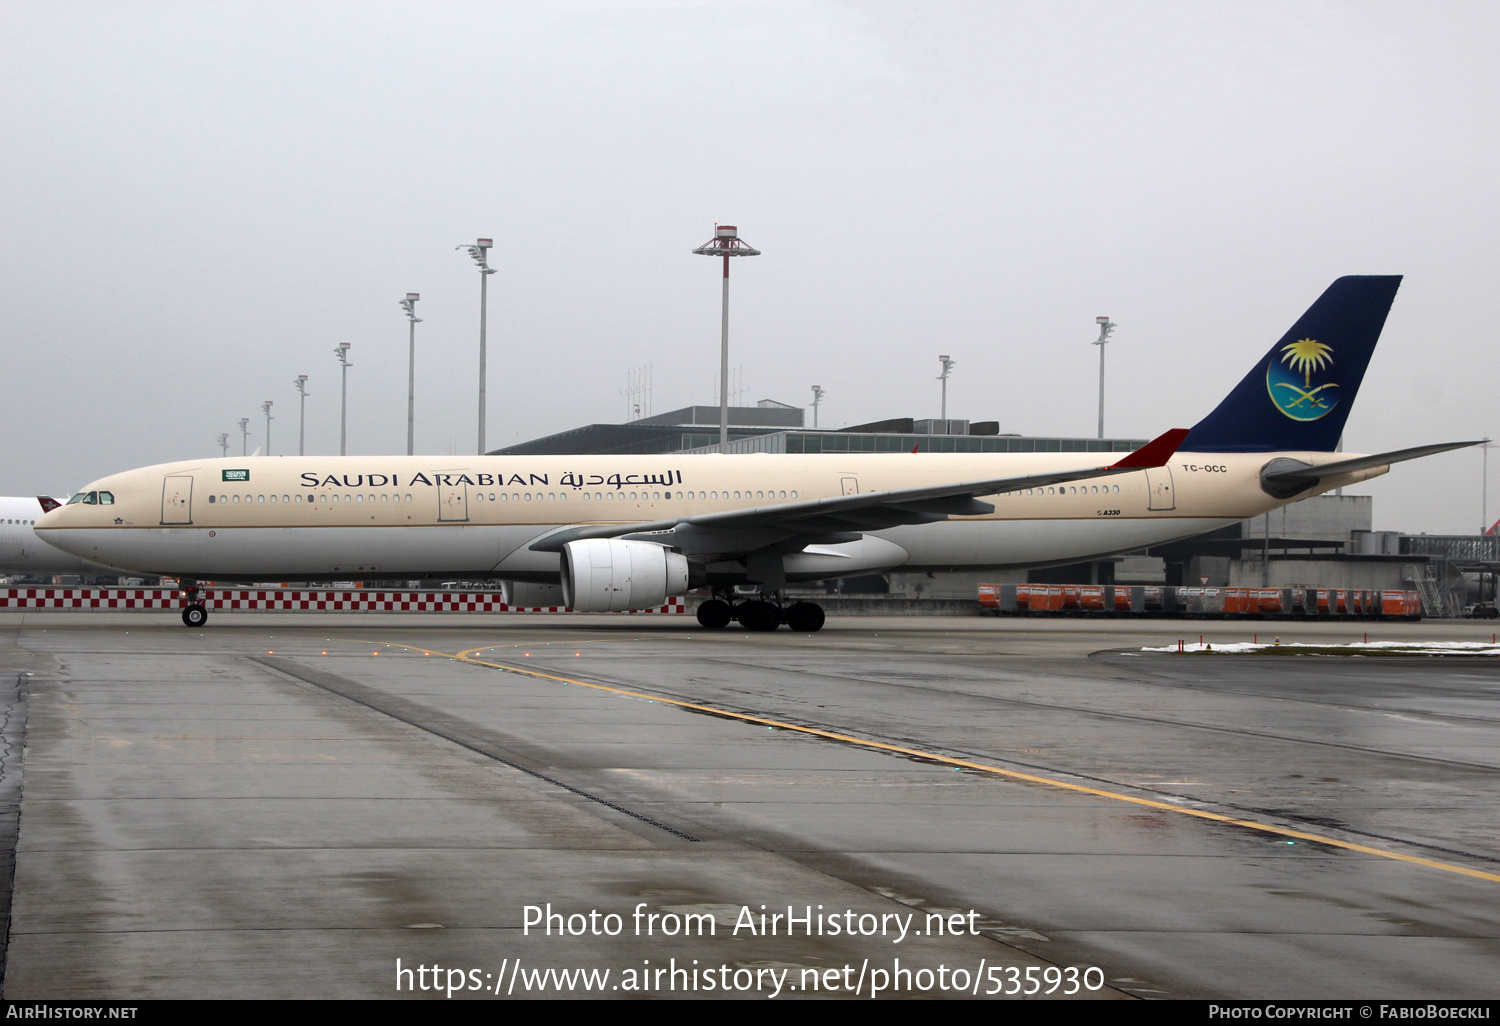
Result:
<point x="609" y="575"/>
<point x="523" y="593"/>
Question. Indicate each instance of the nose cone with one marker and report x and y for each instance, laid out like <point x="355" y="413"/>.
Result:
<point x="59" y="516"/>
<point x="53" y="529"/>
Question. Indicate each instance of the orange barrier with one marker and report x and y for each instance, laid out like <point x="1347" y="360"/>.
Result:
<point x="1400" y="603"/>
<point x="1134" y="599"/>
<point x="1091" y="597"/>
<point x="1042" y="598"/>
<point x="278" y="600"/>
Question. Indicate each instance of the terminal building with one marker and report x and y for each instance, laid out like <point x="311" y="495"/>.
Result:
<point x="770" y="426"/>
<point x="1326" y="541"/>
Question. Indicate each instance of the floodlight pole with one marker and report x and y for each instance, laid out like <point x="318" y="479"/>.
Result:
<point x="725" y="243"/>
<point x="244" y="436"/>
<point x="265" y="408"/>
<point x="943" y="377"/>
<point x="301" y="384"/>
<point x="409" y="304"/>
<point x="818" y="394"/>
<point x="224" y="443"/>
<point x="1105" y="327"/>
<point x="480" y="251"/>
<point x="342" y="352"/>
<point x="724" y="364"/>
<point x="1484" y="491"/>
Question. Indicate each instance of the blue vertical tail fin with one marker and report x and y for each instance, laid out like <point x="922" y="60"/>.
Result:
<point x="1298" y="395"/>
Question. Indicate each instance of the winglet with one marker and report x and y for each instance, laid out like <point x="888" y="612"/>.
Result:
<point x="1154" y="453"/>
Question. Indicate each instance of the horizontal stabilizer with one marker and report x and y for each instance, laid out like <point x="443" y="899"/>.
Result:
<point x="1286" y="477"/>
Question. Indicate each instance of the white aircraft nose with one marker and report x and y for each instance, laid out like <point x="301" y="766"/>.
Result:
<point x="73" y="542"/>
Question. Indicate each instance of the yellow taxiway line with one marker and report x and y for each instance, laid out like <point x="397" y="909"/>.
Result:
<point x="468" y="656"/>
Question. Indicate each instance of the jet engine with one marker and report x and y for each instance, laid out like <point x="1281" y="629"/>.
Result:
<point x="524" y="593"/>
<point x="609" y="575"/>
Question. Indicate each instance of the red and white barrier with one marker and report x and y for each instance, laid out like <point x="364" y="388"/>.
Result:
<point x="277" y="599"/>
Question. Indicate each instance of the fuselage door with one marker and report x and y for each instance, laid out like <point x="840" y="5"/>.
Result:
<point x="1159" y="485"/>
<point x="177" y="499"/>
<point x="851" y="485"/>
<point x="453" y="503"/>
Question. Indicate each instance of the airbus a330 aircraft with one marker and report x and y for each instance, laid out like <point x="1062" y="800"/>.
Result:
<point x="625" y="532"/>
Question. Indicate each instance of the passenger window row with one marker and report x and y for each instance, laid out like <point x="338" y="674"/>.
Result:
<point x="1068" y="490"/>
<point x="107" y="498"/>
<point x="310" y="500"/>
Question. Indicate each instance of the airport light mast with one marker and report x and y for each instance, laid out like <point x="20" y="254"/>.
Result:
<point x="301" y="384"/>
<point x="480" y="251"/>
<point x="1105" y="327"/>
<point x="409" y="304"/>
<point x="726" y="243"/>
<point x="265" y="408"/>
<point x="244" y="436"/>
<point x="224" y="443"/>
<point x="818" y="395"/>
<point x="1484" y="489"/>
<point x="342" y="352"/>
<point x="943" y="377"/>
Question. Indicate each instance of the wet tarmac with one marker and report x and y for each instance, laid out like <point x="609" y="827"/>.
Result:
<point x="285" y="805"/>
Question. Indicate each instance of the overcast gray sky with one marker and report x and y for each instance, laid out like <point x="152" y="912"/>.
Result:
<point x="200" y="200"/>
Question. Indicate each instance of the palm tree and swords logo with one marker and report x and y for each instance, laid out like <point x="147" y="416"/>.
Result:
<point x="1302" y="400"/>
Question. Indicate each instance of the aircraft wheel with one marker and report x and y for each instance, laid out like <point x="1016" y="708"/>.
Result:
<point x="759" y="616"/>
<point x="195" y="615"/>
<point x="804" y="617"/>
<point x="715" y="614"/>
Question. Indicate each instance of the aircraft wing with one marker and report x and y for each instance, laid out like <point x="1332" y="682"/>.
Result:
<point x="844" y="517"/>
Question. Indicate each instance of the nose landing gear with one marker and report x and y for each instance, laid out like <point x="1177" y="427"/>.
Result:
<point x="195" y="613"/>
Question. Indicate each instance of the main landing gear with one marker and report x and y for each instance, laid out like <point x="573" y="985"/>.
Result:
<point x="763" y="614"/>
<point x="195" y="613"/>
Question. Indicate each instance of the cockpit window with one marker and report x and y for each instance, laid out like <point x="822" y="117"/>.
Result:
<point x="77" y="498"/>
<point x="91" y="499"/>
<point x="106" y="498"/>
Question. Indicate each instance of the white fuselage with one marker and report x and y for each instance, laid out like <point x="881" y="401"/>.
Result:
<point x="309" y="518"/>
<point x="23" y="552"/>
